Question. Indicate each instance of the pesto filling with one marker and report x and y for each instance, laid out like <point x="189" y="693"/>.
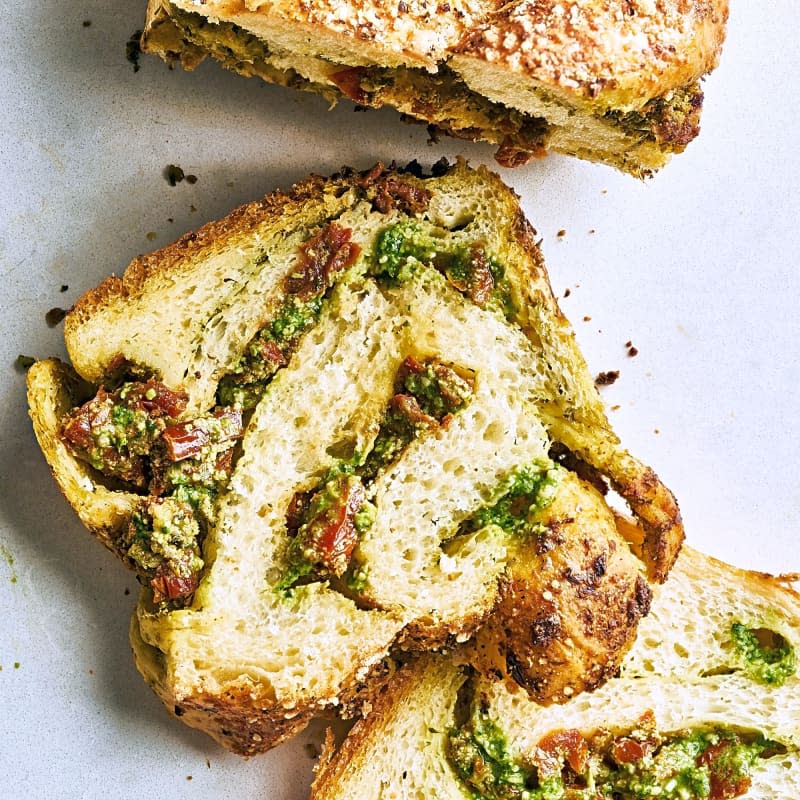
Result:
<point x="518" y="499"/>
<point x="770" y="664"/>
<point x="403" y="249"/>
<point x="326" y="524"/>
<point x="715" y="763"/>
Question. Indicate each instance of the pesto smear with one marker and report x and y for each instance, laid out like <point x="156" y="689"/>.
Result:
<point x="713" y="764"/>
<point x="519" y="498"/>
<point x="770" y="664"/>
<point x="404" y="248"/>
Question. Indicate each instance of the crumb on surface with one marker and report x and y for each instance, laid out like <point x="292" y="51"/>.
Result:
<point x="54" y="316"/>
<point x="87" y="23"/>
<point x="173" y="174"/>
<point x="592" y="230"/>
<point x="607" y="378"/>
<point x="133" y="50"/>
<point x="24" y="362"/>
<point x="633" y="351"/>
<point x="567" y="292"/>
<point x="616" y="407"/>
<point x="562" y="233"/>
<point x="64" y="287"/>
<point x="587" y="319"/>
<point x="191" y="179"/>
<point x="150" y="235"/>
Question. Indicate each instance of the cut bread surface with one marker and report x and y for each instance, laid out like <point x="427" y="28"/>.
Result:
<point x="407" y="374"/>
<point x="611" y="82"/>
<point x="405" y="747"/>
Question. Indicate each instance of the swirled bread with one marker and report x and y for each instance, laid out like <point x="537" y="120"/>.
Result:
<point x="341" y="420"/>
<point x="615" y="82"/>
<point x="705" y="706"/>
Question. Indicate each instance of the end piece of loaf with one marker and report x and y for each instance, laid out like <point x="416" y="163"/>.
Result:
<point x="614" y="82"/>
<point x="685" y="683"/>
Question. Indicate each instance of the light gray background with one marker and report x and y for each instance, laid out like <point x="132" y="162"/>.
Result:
<point x="697" y="267"/>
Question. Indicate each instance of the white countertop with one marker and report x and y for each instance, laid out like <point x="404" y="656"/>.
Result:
<point x="697" y="267"/>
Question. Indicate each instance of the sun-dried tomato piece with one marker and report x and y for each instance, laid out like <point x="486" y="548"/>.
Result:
<point x="321" y="257"/>
<point x="167" y="585"/>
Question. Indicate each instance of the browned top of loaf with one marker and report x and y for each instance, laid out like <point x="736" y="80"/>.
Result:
<point x="612" y="50"/>
<point x="615" y="49"/>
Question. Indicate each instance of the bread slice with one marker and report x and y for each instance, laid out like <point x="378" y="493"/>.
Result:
<point x="612" y="82"/>
<point x="685" y="675"/>
<point x="344" y="419"/>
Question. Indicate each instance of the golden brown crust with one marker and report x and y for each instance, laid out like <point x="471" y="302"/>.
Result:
<point x="570" y="606"/>
<point x="609" y="53"/>
<point x="182" y="256"/>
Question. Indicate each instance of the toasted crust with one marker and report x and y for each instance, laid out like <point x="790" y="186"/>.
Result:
<point x="605" y="53"/>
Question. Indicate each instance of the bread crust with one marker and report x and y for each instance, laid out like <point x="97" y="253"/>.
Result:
<point x="607" y="53"/>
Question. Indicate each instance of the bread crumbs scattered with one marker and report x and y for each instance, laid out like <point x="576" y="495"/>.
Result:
<point x="591" y="231"/>
<point x="188" y="777"/>
<point x="54" y="316"/>
<point x="656" y="431"/>
<point x="87" y="23"/>
<point x="191" y="179"/>
<point x="633" y="352"/>
<point x="587" y="319"/>
<point x="616" y="407"/>
<point x="127" y="591"/>
<point x="607" y="378"/>
<point x="91" y="672"/>
<point x="17" y="665"/>
<point x="192" y="209"/>
<point x="64" y="287"/>
<point x="150" y="235"/>
<point x="208" y="763"/>
<point x="561" y="234"/>
<point x="567" y="292"/>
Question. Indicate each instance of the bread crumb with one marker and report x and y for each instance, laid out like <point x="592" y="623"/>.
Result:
<point x="173" y="174"/>
<point x="656" y="431"/>
<point x="567" y="292"/>
<point x="191" y="179"/>
<point x="54" y="316"/>
<point x="150" y="235"/>
<point x="64" y="287"/>
<point x="633" y="352"/>
<point x="87" y="23"/>
<point x="133" y="50"/>
<point x="607" y="378"/>
<point x="561" y="234"/>
<point x="188" y="777"/>
<point x="591" y="231"/>
<point x="23" y="363"/>
<point x="616" y="407"/>
<point x="312" y="750"/>
<point x="587" y="319"/>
